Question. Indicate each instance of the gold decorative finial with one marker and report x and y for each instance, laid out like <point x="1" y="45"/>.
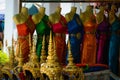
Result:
<point x="6" y="69"/>
<point x="12" y="44"/>
<point x="51" y="68"/>
<point x="19" y="67"/>
<point x="71" y="68"/>
<point x="50" y="44"/>
<point x="20" y="59"/>
<point x="30" y="42"/>
<point x="43" y="56"/>
<point x="11" y="54"/>
<point x="70" y="57"/>
<point x="33" y="64"/>
<point x="50" y="48"/>
<point x="55" y="55"/>
<point x="33" y="56"/>
<point x="9" y="66"/>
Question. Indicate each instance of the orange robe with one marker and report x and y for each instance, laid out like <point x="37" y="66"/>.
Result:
<point x="23" y="37"/>
<point x="89" y="42"/>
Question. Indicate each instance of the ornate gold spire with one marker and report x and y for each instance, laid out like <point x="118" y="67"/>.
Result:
<point x="11" y="55"/>
<point x="20" y="59"/>
<point x="30" y="45"/>
<point x="70" y="58"/>
<point x="12" y="44"/>
<point x="8" y="67"/>
<point x="33" y="64"/>
<point x="55" y="55"/>
<point x="43" y="52"/>
<point x="19" y="67"/>
<point x="33" y="56"/>
<point x="51" y="68"/>
<point x="71" y="68"/>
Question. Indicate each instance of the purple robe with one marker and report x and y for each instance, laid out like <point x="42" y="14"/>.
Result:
<point x="102" y="41"/>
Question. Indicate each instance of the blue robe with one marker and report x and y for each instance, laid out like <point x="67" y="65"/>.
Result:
<point x="75" y="30"/>
<point x="114" y="47"/>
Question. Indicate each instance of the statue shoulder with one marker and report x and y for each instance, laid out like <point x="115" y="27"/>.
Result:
<point x="17" y="19"/>
<point x="82" y="16"/>
<point x="36" y="18"/>
<point x="99" y="17"/>
<point x="51" y="18"/>
<point x="67" y="17"/>
<point x="111" y="17"/>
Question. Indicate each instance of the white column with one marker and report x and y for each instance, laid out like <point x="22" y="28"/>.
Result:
<point x="79" y="6"/>
<point x="66" y="7"/>
<point x="52" y="7"/>
<point x="12" y="7"/>
<point x="46" y="5"/>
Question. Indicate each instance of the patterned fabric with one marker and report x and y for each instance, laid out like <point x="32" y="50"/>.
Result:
<point x="89" y="42"/>
<point x="114" y="46"/>
<point x="102" y="42"/>
<point x="59" y="30"/>
<point x="60" y="48"/>
<point x="75" y="30"/>
<point x="23" y="37"/>
<point x="42" y="28"/>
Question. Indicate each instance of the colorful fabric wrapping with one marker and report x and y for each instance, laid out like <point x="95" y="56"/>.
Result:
<point x="23" y="37"/>
<point x="42" y="28"/>
<point x="61" y="26"/>
<point x="102" y="42"/>
<point x="114" y="47"/>
<point x="60" y="48"/>
<point x="89" y="42"/>
<point x="92" y="67"/>
<point x="59" y="30"/>
<point x="75" y="30"/>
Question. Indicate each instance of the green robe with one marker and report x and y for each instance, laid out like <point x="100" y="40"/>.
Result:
<point x="42" y="28"/>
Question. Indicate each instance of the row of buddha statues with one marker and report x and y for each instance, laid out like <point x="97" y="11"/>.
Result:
<point x="94" y="38"/>
<point x="48" y="68"/>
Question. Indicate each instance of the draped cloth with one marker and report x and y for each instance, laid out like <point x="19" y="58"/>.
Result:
<point x="75" y="30"/>
<point x="114" y="47"/>
<point x="1" y="30"/>
<point x="42" y="28"/>
<point x="103" y="41"/>
<point x="89" y="42"/>
<point x="23" y="37"/>
<point x="60" y="29"/>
